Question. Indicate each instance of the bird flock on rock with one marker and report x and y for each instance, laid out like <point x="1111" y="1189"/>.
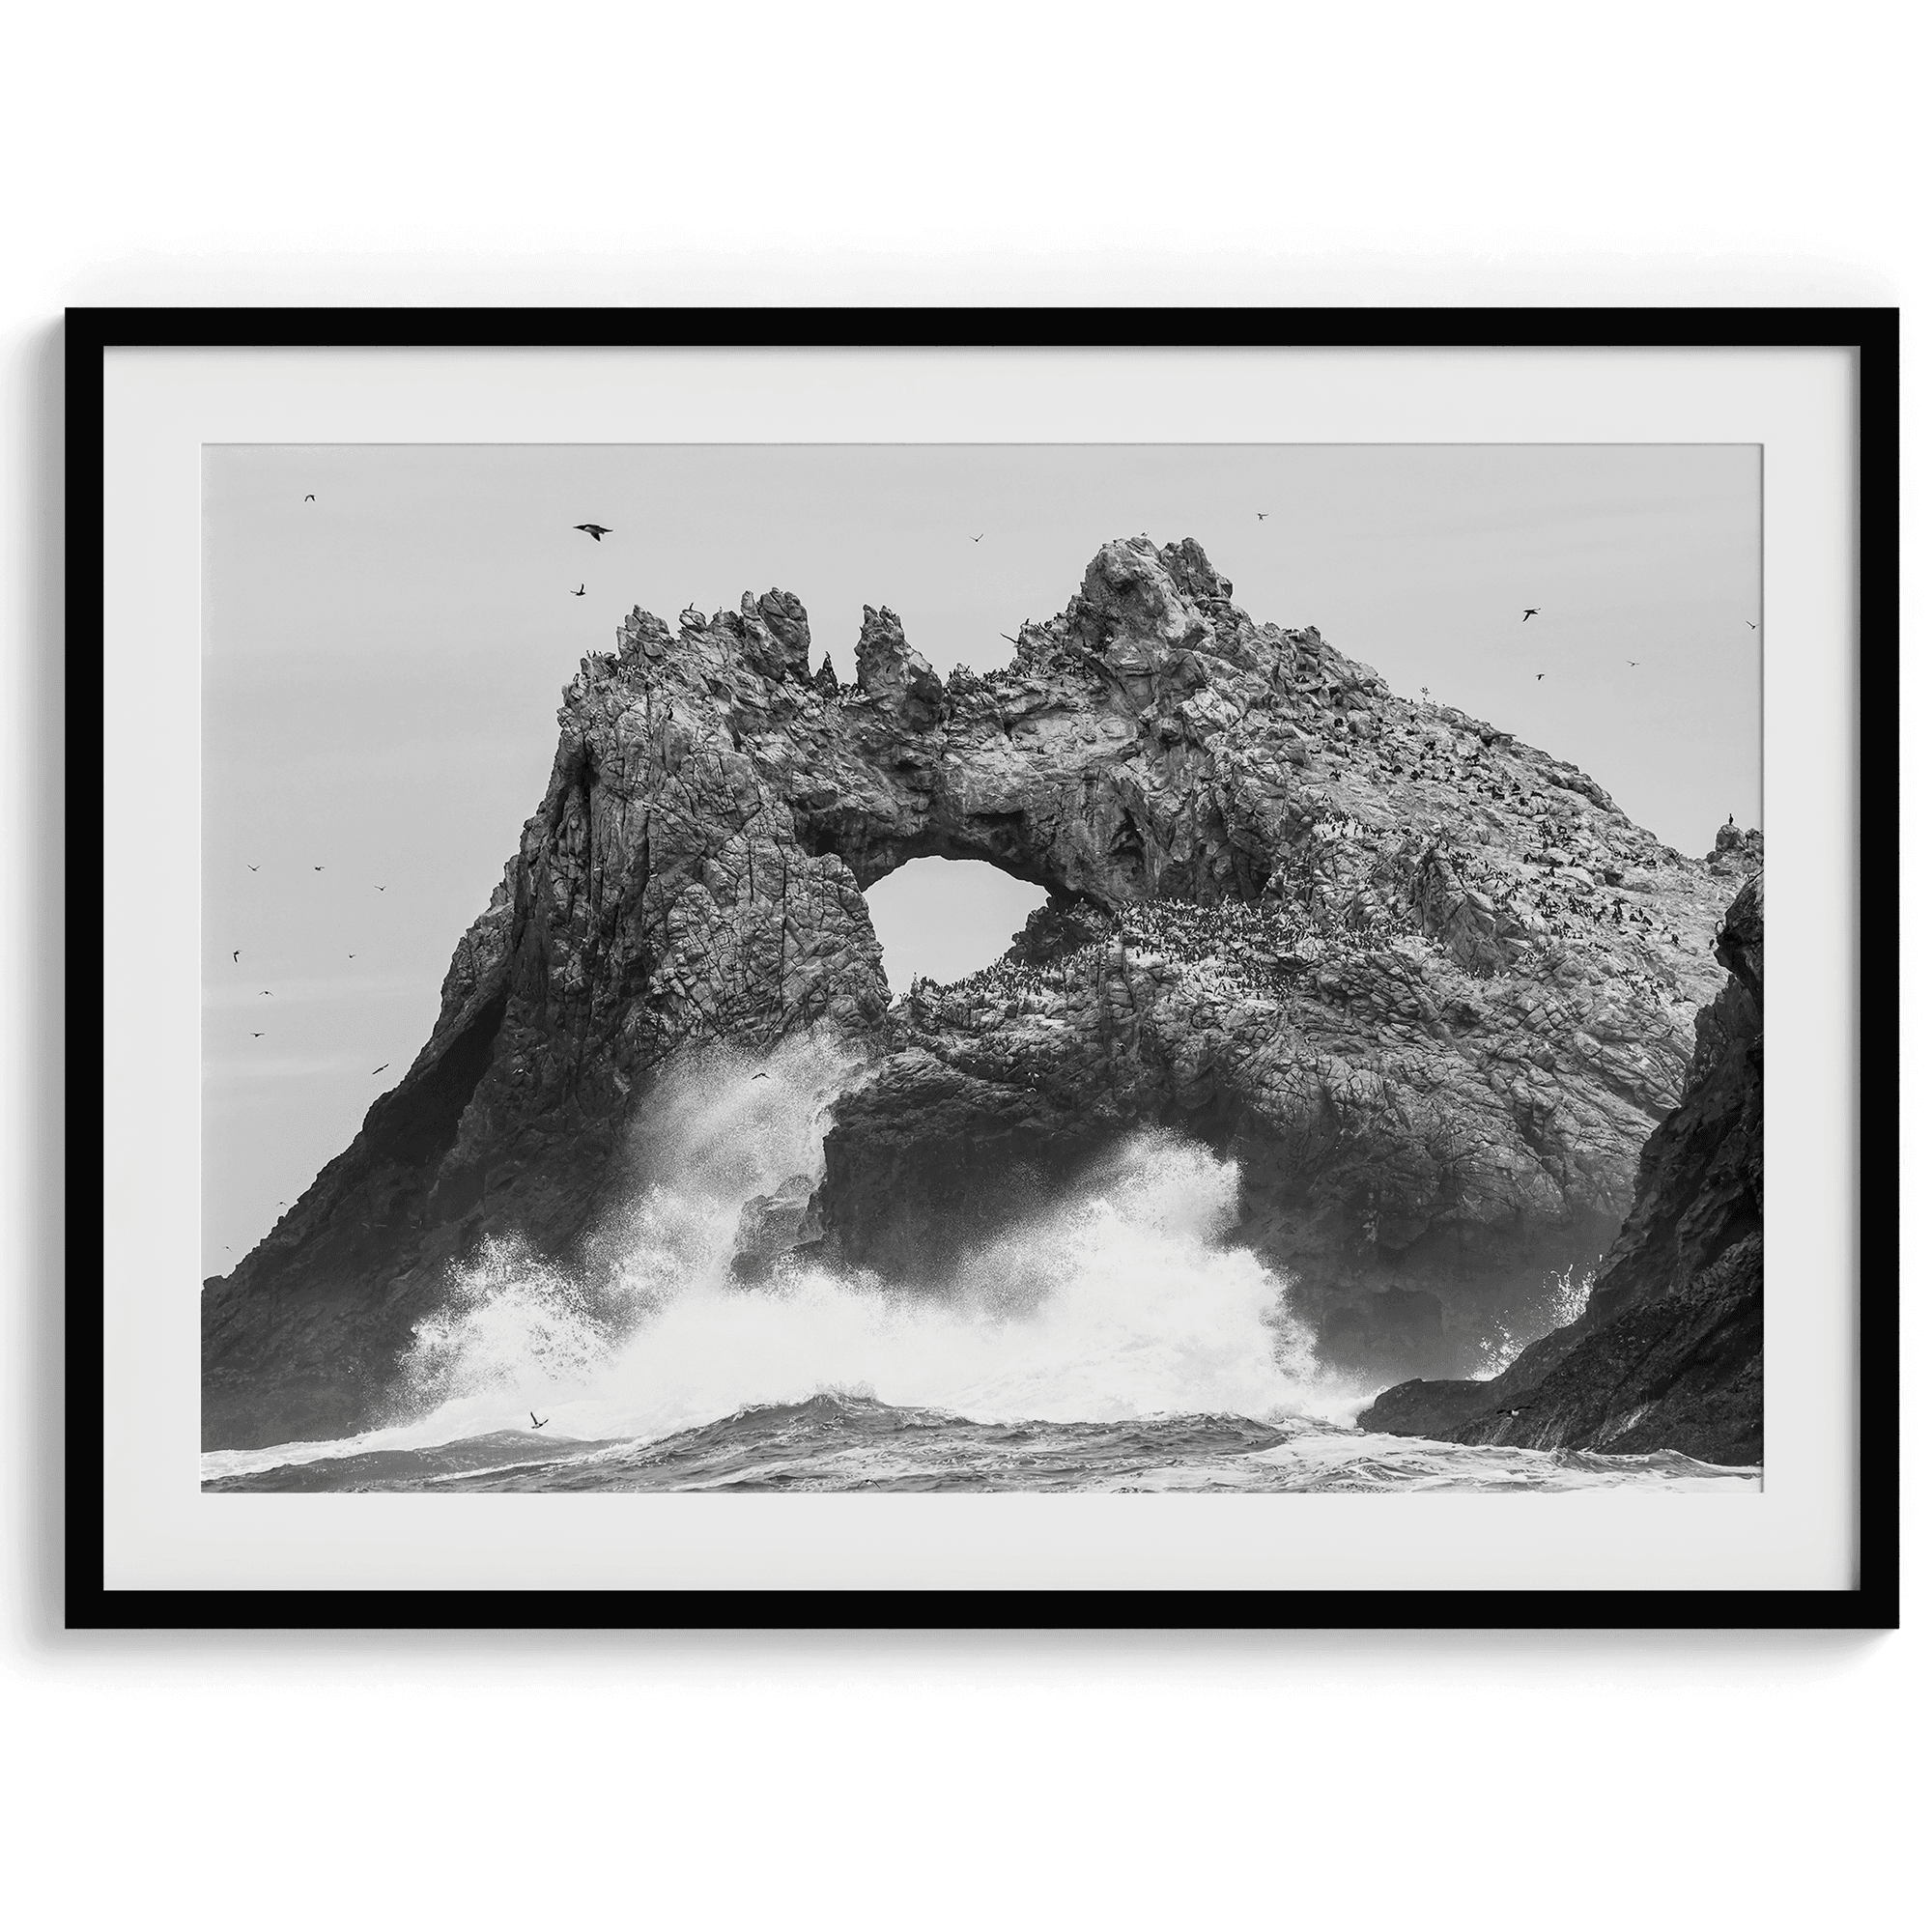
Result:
<point x="1548" y="874"/>
<point x="1266" y="947"/>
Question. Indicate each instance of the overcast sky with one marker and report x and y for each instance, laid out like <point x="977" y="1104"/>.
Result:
<point x="382" y="670"/>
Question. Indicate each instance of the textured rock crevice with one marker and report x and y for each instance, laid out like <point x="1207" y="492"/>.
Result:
<point x="1428" y="984"/>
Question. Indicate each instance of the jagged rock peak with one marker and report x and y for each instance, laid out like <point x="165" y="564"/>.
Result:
<point x="895" y="675"/>
<point x="1149" y="619"/>
<point x="1133" y="586"/>
<point x="1736" y="852"/>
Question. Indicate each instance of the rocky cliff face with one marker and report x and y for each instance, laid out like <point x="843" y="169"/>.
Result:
<point x="1427" y="983"/>
<point x="1669" y="1352"/>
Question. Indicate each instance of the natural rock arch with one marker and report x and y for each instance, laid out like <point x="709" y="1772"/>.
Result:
<point x="943" y="920"/>
<point x="1363" y="944"/>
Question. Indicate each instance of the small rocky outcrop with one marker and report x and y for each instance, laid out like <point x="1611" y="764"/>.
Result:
<point x="1669" y="1352"/>
<point x="1428" y="984"/>
<point x="1736" y="853"/>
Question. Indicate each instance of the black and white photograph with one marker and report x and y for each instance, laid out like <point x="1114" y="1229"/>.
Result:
<point x="960" y="967"/>
<point x="1128" y="967"/>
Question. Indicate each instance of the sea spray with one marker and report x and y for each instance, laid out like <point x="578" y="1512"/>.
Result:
<point x="1115" y="1339"/>
<point x="721" y="1128"/>
<point x="1121" y="1299"/>
<point x="1563" y="1300"/>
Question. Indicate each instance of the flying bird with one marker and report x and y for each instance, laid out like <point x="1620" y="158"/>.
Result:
<point x="761" y="1076"/>
<point x="373" y="1070"/>
<point x="381" y="888"/>
<point x="266" y="994"/>
<point x="596" y="532"/>
<point x="252" y="868"/>
<point x="1748" y="625"/>
<point x="1539" y="677"/>
<point x="310" y="497"/>
<point x="1260" y="516"/>
<point x="258" y="1036"/>
<point x="1534" y="610"/>
<point x="981" y="537"/>
<point x="237" y="956"/>
<point x="1631" y="661"/>
<point x="577" y="592"/>
<point x="535" y="1423"/>
<point x="320" y="868"/>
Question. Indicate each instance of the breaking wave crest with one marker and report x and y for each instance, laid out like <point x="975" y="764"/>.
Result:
<point x="1121" y="1301"/>
<point x="721" y="1132"/>
<point x="1113" y="1340"/>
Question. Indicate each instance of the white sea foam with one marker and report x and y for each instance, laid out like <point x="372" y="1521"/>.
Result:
<point x="1123" y="1303"/>
<point x="1122" y="1300"/>
<point x="1118" y="1305"/>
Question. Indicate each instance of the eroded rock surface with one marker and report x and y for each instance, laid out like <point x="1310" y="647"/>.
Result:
<point x="1669" y="1352"/>
<point x="1430" y="984"/>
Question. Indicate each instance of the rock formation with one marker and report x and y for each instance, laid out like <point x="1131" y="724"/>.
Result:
<point x="1429" y="983"/>
<point x="1669" y="1352"/>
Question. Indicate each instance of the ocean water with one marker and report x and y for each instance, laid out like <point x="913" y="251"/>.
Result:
<point x="1116" y="1342"/>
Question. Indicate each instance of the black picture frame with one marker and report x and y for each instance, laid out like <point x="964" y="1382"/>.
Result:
<point x="1873" y="333"/>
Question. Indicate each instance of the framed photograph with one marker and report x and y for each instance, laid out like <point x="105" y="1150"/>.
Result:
<point x="1157" y="967"/>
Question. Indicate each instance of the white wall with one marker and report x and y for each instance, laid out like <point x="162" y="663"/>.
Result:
<point x="378" y="152"/>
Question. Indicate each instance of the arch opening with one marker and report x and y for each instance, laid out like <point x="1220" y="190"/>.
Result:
<point x="943" y="919"/>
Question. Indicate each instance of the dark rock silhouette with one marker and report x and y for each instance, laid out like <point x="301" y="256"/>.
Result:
<point x="1669" y="1352"/>
<point x="1428" y="984"/>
